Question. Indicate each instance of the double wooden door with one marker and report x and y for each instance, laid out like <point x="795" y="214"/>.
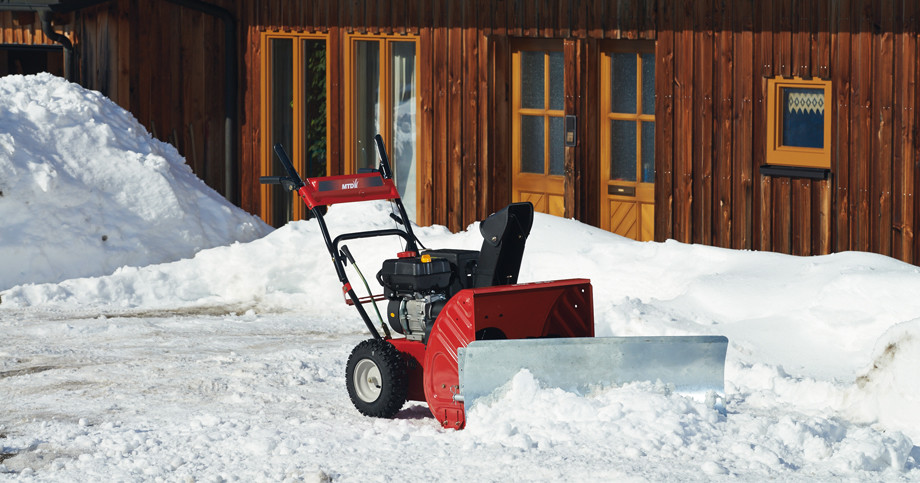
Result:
<point x="626" y="141"/>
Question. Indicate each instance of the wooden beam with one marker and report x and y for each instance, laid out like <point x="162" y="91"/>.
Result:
<point x="881" y="141"/>
<point x="570" y="54"/>
<point x="742" y="151"/>
<point x="683" y="123"/>
<point x="761" y="210"/>
<point x="840" y="74"/>
<point x="664" y="123"/>
<point x="702" y="231"/>
<point x="861" y="119"/>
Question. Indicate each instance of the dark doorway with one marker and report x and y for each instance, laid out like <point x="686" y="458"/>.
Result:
<point x="27" y="59"/>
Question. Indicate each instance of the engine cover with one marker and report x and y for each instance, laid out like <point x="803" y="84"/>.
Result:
<point x="462" y="263"/>
<point x="407" y="276"/>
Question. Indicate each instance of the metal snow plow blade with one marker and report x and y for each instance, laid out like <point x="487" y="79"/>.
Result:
<point x="692" y="365"/>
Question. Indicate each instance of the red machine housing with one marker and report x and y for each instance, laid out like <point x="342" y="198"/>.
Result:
<point x="561" y="308"/>
<point x="347" y="189"/>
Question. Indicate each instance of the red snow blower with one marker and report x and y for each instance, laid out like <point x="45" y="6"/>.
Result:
<point x="466" y="327"/>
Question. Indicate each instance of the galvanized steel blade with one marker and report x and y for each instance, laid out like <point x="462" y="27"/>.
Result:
<point x="688" y="364"/>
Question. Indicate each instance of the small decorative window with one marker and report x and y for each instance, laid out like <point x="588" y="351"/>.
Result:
<point x="799" y="122"/>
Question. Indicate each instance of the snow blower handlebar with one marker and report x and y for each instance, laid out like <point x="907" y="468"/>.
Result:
<point x="374" y="184"/>
<point x="292" y="181"/>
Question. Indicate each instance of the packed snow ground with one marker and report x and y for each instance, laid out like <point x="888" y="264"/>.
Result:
<point x="229" y="365"/>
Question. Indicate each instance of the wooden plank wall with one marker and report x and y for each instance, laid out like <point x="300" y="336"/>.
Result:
<point x="464" y="59"/>
<point x="712" y="61"/>
<point x="164" y="63"/>
<point x="869" y="49"/>
<point x="101" y="67"/>
<point x="26" y="28"/>
<point x="177" y="82"/>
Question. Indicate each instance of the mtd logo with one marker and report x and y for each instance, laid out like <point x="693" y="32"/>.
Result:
<point x="350" y="186"/>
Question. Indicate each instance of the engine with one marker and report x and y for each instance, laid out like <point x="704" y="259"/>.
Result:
<point x="417" y="288"/>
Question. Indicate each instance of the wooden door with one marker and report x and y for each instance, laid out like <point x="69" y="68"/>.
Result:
<point x="627" y="141"/>
<point x="538" y="154"/>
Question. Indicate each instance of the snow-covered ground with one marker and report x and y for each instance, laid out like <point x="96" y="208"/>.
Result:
<point x="229" y="365"/>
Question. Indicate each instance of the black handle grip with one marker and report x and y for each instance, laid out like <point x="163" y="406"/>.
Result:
<point x="270" y="179"/>
<point x="384" y="159"/>
<point x="347" y="253"/>
<point x="296" y="181"/>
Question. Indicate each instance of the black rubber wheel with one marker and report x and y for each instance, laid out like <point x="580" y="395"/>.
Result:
<point x="376" y="379"/>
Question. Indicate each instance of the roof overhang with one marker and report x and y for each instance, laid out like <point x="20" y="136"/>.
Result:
<point x="60" y="6"/>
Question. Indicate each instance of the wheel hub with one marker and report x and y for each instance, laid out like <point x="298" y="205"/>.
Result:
<point x="367" y="380"/>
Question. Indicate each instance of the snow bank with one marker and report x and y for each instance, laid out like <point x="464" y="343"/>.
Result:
<point x="289" y="269"/>
<point x="645" y="421"/>
<point x="84" y="189"/>
<point x="814" y="316"/>
<point x="889" y="391"/>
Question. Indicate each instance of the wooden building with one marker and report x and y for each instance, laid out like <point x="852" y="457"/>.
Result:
<point x="782" y="125"/>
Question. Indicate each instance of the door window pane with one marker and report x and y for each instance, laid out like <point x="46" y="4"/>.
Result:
<point x="648" y="84"/>
<point x="282" y="122"/>
<point x="367" y="101"/>
<point x="532" y="144"/>
<point x="623" y="83"/>
<point x="532" y="80"/>
<point x="556" y="146"/>
<point x="648" y="152"/>
<point x="623" y="150"/>
<point x="403" y="151"/>
<point x="313" y="52"/>
<point x="556" y="81"/>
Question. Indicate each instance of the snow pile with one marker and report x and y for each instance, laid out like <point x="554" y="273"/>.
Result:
<point x="889" y="391"/>
<point x="644" y="420"/>
<point x="84" y="189"/>
<point x="289" y="269"/>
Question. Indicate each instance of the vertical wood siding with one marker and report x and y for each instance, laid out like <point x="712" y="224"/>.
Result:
<point x="713" y="58"/>
<point x="869" y="49"/>
<point x="164" y="63"/>
<point x="465" y="87"/>
<point x="25" y="28"/>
